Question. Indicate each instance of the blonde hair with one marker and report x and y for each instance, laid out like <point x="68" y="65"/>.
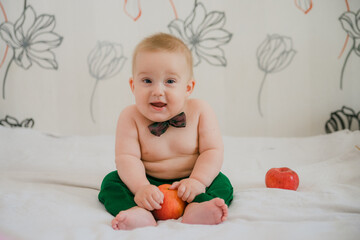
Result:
<point x="164" y="42"/>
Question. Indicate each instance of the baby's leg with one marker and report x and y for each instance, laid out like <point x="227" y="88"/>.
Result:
<point x="133" y="218"/>
<point x="211" y="212"/>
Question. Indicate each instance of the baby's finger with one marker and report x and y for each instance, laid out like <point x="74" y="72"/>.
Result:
<point x="191" y="198"/>
<point x="186" y="195"/>
<point x="181" y="191"/>
<point x="156" y="200"/>
<point x="159" y="197"/>
<point x="175" y="185"/>
<point x="154" y="204"/>
<point x="147" y="205"/>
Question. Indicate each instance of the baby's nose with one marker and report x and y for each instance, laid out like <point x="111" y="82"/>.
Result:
<point x="158" y="90"/>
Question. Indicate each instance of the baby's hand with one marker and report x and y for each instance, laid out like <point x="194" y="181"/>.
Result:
<point x="188" y="189"/>
<point x="149" y="197"/>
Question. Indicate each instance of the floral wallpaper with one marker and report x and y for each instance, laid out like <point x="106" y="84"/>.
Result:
<point x="204" y="34"/>
<point x="344" y="118"/>
<point x="12" y="122"/>
<point x="104" y="61"/>
<point x="274" y="68"/>
<point x="274" y="54"/>
<point x="350" y="23"/>
<point x="31" y="39"/>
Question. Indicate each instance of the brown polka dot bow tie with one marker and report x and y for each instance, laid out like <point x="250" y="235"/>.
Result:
<point x="158" y="128"/>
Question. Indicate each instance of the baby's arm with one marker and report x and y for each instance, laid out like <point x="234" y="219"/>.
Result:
<point x="130" y="168"/>
<point x="210" y="160"/>
<point x="211" y="147"/>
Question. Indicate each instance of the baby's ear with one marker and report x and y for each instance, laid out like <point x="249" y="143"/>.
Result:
<point x="190" y="86"/>
<point x="131" y="83"/>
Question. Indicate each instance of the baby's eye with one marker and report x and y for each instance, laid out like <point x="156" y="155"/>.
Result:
<point x="147" y="80"/>
<point x="170" y="81"/>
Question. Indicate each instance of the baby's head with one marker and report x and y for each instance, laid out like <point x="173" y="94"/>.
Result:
<point x="164" y="42"/>
<point x="162" y="77"/>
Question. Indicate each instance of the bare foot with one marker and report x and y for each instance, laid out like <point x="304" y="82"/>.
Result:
<point x="133" y="218"/>
<point x="212" y="212"/>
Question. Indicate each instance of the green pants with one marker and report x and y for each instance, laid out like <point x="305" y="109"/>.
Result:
<point x="116" y="196"/>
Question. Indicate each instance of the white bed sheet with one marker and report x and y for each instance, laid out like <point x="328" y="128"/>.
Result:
<point x="49" y="187"/>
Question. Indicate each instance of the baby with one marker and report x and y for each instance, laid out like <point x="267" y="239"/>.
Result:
<point x="165" y="137"/>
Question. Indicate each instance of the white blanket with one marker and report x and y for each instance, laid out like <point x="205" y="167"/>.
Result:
<point x="49" y="188"/>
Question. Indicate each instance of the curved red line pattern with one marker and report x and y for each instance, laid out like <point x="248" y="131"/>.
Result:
<point x="174" y="9"/>
<point x="7" y="47"/>
<point x="347" y="37"/>
<point x="140" y="11"/>
<point x="347" y="5"/>
<point x="308" y="5"/>
<point x="127" y="13"/>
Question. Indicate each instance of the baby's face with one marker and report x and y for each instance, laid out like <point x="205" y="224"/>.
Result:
<point x="161" y="84"/>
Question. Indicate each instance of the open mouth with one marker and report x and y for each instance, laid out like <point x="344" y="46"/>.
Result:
<point x="158" y="104"/>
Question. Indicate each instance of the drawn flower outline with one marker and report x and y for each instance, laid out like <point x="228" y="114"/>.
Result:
<point x="204" y="35"/>
<point x="351" y="24"/>
<point x="12" y="122"/>
<point x="274" y="54"/>
<point x="31" y="39"/>
<point x="104" y="61"/>
<point x="345" y="118"/>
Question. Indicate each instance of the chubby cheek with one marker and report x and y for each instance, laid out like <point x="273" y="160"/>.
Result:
<point x="176" y="98"/>
<point x="142" y="104"/>
<point x="141" y="97"/>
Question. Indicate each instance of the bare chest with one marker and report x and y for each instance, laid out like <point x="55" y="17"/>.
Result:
<point x="174" y="143"/>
